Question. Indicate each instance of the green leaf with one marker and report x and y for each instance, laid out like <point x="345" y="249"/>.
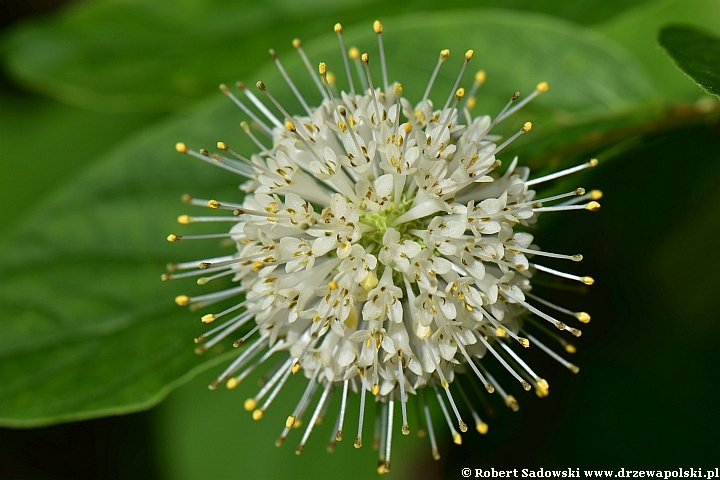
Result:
<point x="636" y="30"/>
<point x="695" y="53"/>
<point x="90" y="330"/>
<point x="134" y="55"/>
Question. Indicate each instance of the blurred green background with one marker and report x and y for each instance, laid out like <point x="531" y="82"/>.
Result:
<point x="93" y="96"/>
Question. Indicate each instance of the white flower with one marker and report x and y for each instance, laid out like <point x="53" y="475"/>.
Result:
<point x="382" y="247"/>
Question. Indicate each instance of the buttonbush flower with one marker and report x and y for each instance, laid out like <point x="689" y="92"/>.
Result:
<point x="381" y="250"/>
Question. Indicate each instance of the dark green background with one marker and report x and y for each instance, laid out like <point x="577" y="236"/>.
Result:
<point x="646" y="396"/>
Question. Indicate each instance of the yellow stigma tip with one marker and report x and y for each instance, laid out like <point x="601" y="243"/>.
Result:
<point x="489" y="388"/>
<point x="172" y="237"/>
<point x="527" y="126"/>
<point x="481" y="427"/>
<point x="222" y="145"/>
<point x="250" y="404"/>
<point x="377" y="26"/>
<point x="526" y="386"/>
<point x="593" y="206"/>
<point x="181" y="147"/>
<point x="290" y="421"/>
<point x="573" y="368"/>
<point x="353" y="53"/>
<point x="213" y="203"/>
<point x="444" y="54"/>
<point x="583" y="317"/>
<point x="337" y="28"/>
<point x="463" y="426"/>
<point x="542" y="87"/>
<point x="208" y="318"/>
<point x="577" y="258"/>
<point x="570" y="348"/>
<point x="358" y="442"/>
<point x="232" y="383"/>
<point x="457" y="439"/>
<point x="184" y="219"/>
<point x="257" y="414"/>
<point x="579" y="191"/>
<point x="480" y="76"/>
<point x="322" y="68"/>
<point x="244" y="125"/>
<point x="182" y="300"/>
<point x="290" y="126"/>
<point x="406" y="429"/>
<point x="296" y="43"/>
<point x="596" y="194"/>
<point x="469" y="54"/>
<point x="435" y="454"/>
<point x="588" y="280"/>
<point x="164" y="277"/>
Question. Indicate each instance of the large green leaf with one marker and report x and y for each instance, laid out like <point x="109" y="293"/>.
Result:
<point x="695" y="53"/>
<point x="90" y="330"/>
<point x="138" y="55"/>
<point x="637" y="31"/>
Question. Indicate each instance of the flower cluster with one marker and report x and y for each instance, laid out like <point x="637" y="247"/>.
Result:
<point x="381" y="250"/>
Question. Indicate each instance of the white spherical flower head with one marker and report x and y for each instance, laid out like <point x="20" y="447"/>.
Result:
<point x="382" y="249"/>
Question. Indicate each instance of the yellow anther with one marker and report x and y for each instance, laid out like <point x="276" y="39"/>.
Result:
<point x="257" y="266"/>
<point x="208" y="318"/>
<point x="596" y="194"/>
<point x="184" y="219"/>
<point x="257" y="414"/>
<point x="232" y="383"/>
<point x="577" y="258"/>
<point x="244" y="125"/>
<point x="290" y="421"/>
<point x="573" y="368"/>
<point x="470" y="103"/>
<point x="332" y="284"/>
<point x="588" y="280"/>
<point x="593" y="162"/>
<point x="444" y="383"/>
<point x="331" y="79"/>
<point x="543" y="384"/>
<point x="375" y="389"/>
<point x="250" y="404"/>
<point x="570" y="348"/>
<point x="480" y="76"/>
<point x="512" y="403"/>
<point x="583" y="317"/>
<point x="182" y="300"/>
<point x="358" y="442"/>
<point x="579" y="191"/>
<point x="223" y="88"/>
<point x="469" y="54"/>
<point x="337" y="28"/>
<point x="526" y="386"/>
<point x="290" y="126"/>
<point x="365" y="58"/>
<point x="524" y="342"/>
<point x="377" y="26"/>
<point x="322" y="68"/>
<point x="406" y="429"/>
<point x="164" y="277"/>
<point x="541" y="392"/>
<point x="181" y="147"/>
<point x="500" y="332"/>
<point x="444" y="54"/>
<point x="296" y="43"/>
<point x="460" y="93"/>
<point x="369" y="282"/>
<point x="213" y="203"/>
<point x="398" y="89"/>
<point x="353" y="53"/>
<point x="527" y="126"/>
<point x="295" y="368"/>
<point x="593" y="206"/>
<point x="457" y="439"/>
<point x="260" y="86"/>
<point x="542" y="87"/>
<point x="172" y="237"/>
<point x="407" y="128"/>
<point x="481" y="427"/>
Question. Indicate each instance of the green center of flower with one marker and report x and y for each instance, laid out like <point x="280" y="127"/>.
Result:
<point x="385" y="218"/>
